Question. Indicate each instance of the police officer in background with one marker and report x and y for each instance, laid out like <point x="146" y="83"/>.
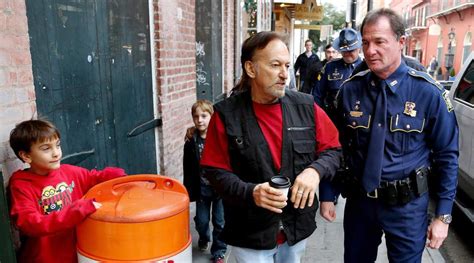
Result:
<point x="397" y="125"/>
<point x="338" y="70"/>
<point x="330" y="53"/>
<point x="313" y="74"/>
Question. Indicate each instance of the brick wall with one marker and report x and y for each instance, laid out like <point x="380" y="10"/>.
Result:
<point x="176" y="78"/>
<point x="17" y="96"/>
<point x="176" y="73"/>
<point x="229" y="44"/>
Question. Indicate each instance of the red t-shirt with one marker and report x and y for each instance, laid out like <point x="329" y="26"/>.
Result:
<point x="269" y="118"/>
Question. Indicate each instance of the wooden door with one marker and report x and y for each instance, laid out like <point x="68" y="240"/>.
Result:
<point x="92" y="77"/>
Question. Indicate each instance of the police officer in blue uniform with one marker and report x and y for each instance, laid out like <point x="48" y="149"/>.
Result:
<point x="338" y="70"/>
<point x="398" y="128"/>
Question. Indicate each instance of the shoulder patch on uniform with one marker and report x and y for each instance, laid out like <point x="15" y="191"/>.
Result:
<point x="425" y="76"/>
<point x="449" y="105"/>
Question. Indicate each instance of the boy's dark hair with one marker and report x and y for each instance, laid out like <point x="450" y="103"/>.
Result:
<point x="204" y="105"/>
<point x="328" y="46"/>
<point x="29" y="132"/>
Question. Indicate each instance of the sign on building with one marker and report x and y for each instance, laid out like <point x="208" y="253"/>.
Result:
<point x="309" y="10"/>
<point x="326" y="32"/>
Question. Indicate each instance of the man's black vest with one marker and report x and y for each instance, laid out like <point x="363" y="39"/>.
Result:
<point x="251" y="160"/>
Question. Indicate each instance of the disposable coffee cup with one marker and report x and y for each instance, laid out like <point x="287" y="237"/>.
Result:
<point x="281" y="183"/>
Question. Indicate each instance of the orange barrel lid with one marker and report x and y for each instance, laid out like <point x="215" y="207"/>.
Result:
<point x="142" y="217"/>
<point x="138" y="198"/>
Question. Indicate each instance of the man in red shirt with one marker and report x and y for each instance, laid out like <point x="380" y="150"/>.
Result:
<point x="263" y="131"/>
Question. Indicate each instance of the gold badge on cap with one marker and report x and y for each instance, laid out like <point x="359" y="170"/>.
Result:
<point x="410" y="109"/>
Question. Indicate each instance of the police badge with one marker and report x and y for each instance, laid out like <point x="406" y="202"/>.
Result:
<point x="336" y="75"/>
<point x="410" y="109"/>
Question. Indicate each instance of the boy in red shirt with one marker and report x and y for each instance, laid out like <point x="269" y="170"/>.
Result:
<point x="46" y="202"/>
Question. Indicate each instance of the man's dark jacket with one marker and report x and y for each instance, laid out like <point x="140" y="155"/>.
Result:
<point x="247" y="225"/>
<point x="303" y="62"/>
<point x="312" y="74"/>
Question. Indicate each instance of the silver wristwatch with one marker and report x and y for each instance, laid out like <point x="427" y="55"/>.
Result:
<point x="445" y="218"/>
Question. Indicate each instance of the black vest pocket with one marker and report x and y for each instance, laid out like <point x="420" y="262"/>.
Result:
<point x="303" y="154"/>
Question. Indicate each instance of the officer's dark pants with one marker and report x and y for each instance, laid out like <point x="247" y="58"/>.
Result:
<point x="366" y="219"/>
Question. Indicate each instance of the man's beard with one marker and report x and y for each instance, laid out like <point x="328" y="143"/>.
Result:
<point x="277" y="92"/>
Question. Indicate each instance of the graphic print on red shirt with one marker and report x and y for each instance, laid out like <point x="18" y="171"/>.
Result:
<point x="55" y="198"/>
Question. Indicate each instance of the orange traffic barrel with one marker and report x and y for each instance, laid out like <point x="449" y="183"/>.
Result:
<point x="143" y="218"/>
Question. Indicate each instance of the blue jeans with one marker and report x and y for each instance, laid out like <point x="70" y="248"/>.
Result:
<point x="202" y="218"/>
<point x="280" y="254"/>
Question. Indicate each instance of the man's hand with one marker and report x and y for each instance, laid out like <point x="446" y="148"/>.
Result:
<point x="328" y="210"/>
<point x="304" y="188"/>
<point x="269" y="198"/>
<point x="437" y="233"/>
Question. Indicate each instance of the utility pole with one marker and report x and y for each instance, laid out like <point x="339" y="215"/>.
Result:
<point x="353" y="13"/>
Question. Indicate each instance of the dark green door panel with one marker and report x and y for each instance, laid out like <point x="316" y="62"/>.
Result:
<point x="130" y="77"/>
<point x="7" y="252"/>
<point x="209" y="50"/>
<point x="92" y="76"/>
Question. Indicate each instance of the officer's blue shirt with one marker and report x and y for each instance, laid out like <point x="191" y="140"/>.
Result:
<point x="421" y="128"/>
<point x="334" y="73"/>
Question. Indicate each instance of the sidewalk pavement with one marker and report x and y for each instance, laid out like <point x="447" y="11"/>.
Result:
<point x="324" y="245"/>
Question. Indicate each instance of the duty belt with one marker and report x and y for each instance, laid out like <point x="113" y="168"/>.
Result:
<point x="400" y="192"/>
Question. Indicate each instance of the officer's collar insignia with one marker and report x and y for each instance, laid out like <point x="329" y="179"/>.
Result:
<point x="372" y="83"/>
<point x="393" y="83"/>
<point x="410" y="109"/>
